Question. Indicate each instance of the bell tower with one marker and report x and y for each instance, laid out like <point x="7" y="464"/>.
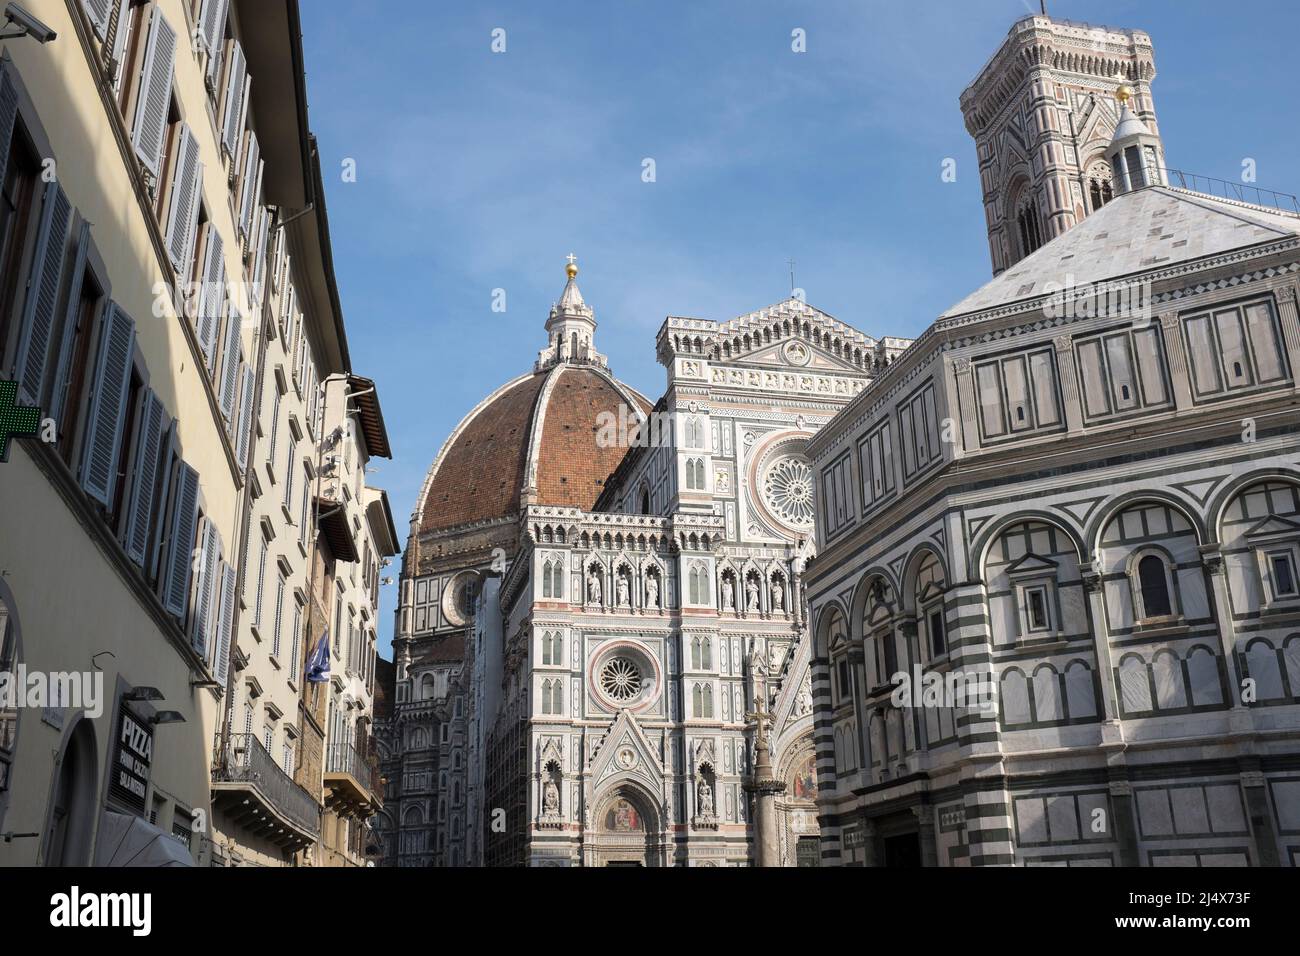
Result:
<point x="1043" y="113"/>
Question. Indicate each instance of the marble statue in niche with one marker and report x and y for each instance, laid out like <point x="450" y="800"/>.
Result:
<point x="623" y="592"/>
<point x="652" y="590"/>
<point x="704" y="799"/>
<point x="751" y="593"/>
<point x="593" y="587"/>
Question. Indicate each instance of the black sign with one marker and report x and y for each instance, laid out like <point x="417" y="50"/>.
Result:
<point x="132" y="762"/>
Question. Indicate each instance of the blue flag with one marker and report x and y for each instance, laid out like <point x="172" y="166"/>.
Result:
<point x="318" y="665"/>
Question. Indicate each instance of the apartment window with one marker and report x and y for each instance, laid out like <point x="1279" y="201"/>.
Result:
<point x="279" y="614"/>
<point x="268" y="737"/>
<point x="261" y="582"/>
<point x="290" y="468"/>
<point x="287" y="754"/>
<point x="17" y="208"/>
<point x="275" y="430"/>
<point x="297" y="638"/>
<point x="248" y="717"/>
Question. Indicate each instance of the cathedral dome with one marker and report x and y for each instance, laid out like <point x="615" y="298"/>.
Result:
<point x="534" y="440"/>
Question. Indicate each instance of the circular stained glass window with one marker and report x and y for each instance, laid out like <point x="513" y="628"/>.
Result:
<point x="620" y="679"/>
<point x="788" y="492"/>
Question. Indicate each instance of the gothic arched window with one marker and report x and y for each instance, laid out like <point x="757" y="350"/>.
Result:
<point x="1031" y="236"/>
<point x="706" y="653"/>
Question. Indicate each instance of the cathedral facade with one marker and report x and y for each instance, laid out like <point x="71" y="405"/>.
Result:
<point x="600" y="649"/>
<point x="1055" y="606"/>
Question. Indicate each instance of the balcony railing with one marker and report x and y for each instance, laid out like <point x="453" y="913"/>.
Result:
<point x="345" y="758"/>
<point x="246" y="761"/>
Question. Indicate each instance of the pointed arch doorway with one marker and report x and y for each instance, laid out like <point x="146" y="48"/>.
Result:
<point x="627" y="830"/>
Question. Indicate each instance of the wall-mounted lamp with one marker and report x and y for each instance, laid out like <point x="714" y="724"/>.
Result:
<point x="26" y="25"/>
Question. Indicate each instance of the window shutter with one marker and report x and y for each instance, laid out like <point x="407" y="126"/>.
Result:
<point x="107" y="405"/>
<point x="245" y="416"/>
<point x="144" y="476"/>
<point x="230" y="366"/>
<point x="205" y="588"/>
<point x="251" y="184"/>
<point x="287" y="500"/>
<point x="259" y="263"/>
<point x="275" y="425"/>
<point x="72" y="314"/>
<point x="183" y="215"/>
<point x="236" y="91"/>
<point x="98" y="11"/>
<point x="213" y="296"/>
<point x="154" y="102"/>
<point x="180" y="540"/>
<point x="42" y="294"/>
<point x="167" y="456"/>
<point x="212" y="24"/>
<point x="226" y="626"/>
<point x="8" y="113"/>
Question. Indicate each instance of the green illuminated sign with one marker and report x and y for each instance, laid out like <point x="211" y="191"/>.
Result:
<point x="21" y="421"/>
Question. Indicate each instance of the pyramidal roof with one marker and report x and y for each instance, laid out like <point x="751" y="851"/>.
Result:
<point x="1145" y="229"/>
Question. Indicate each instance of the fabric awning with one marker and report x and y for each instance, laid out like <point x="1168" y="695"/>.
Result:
<point x="128" y="840"/>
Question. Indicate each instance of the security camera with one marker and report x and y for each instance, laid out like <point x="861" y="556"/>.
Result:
<point x="27" y="25"/>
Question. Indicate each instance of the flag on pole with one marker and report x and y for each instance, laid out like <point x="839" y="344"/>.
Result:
<point x="318" y="665"/>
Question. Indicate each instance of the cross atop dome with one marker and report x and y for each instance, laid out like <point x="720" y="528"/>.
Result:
<point x="571" y="326"/>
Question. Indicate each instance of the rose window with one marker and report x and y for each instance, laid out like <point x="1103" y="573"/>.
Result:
<point x="788" y="492"/>
<point x="620" y="679"/>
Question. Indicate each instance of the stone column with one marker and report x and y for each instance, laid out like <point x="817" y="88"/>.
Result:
<point x="1092" y="586"/>
<point x="1218" y="581"/>
<point x="1179" y="373"/>
<point x="765" y="787"/>
<point x="870" y="851"/>
<point x="1070" y="397"/>
<point x="1286" y="307"/>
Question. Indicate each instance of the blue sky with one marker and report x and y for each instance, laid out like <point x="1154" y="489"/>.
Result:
<point x="478" y="170"/>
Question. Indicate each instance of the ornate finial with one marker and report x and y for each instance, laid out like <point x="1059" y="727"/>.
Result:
<point x="572" y="267"/>
<point x="1123" y="93"/>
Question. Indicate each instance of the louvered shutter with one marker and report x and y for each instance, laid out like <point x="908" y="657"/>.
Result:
<point x="259" y="261"/>
<point x="245" y="419"/>
<point x="225" y="626"/>
<point x="230" y="366"/>
<point x="182" y="217"/>
<point x="118" y="25"/>
<point x="252" y="182"/>
<point x="213" y="296"/>
<point x="167" y="458"/>
<point x="144" y="476"/>
<point x="98" y="11"/>
<point x="154" y="100"/>
<point x="212" y="24"/>
<point x="205" y="585"/>
<point x="42" y="294"/>
<point x="275" y="425"/>
<point x="180" y="540"/>
<point x="8" y="114"/>
<point x="107" y="405"/>
<point x="71" y="316"/>
<point x="277" y="258"/>
<point x="232" y="112"/>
